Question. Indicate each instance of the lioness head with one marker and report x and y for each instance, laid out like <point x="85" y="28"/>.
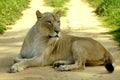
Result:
<point x="49" y="24"/>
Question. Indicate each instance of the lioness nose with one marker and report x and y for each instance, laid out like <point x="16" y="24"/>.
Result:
<point x="57" y="31"/>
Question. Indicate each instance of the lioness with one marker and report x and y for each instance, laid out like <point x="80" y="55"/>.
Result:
<point x="46" y="45"/>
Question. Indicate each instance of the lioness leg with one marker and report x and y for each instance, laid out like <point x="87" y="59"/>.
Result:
<point x="19" y="58"/>
<point x="79" y="55"/>
<point x="17" y="67"/>
<point x="79" y="63"/>
<point x="76" y="65"/>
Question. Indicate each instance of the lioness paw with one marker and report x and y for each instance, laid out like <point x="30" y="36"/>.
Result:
<point x="15" y="68"/>
<point x="63" y="68"/>
<point x="57" y="64"/>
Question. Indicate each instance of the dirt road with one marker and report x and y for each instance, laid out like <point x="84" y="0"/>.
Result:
<point x="81" y="21"/>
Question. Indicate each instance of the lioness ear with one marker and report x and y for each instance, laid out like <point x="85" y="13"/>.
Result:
<point x="38" y="14"/>
<point x="59" y="13"/>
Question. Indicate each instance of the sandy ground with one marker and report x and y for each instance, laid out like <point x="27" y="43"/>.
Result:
<point x="81" y="21"/>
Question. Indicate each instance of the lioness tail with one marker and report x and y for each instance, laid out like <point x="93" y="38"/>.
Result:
<point x="109" y="64"/>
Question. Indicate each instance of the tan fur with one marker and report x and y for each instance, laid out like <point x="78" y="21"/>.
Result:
<point x="45" y="45"/>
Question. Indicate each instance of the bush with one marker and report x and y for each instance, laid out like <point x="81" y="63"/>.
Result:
<point x="10" y="11"/>
<point x="109" y="12"/>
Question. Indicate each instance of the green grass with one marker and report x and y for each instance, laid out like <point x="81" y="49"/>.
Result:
<point x="63" y="10"/>
<point x="10" y="11"/>
<point x="94" y="3"/>
<point x="58" y="5"/>
<point x="116" y="34"/>
<point x="109" y="13"/>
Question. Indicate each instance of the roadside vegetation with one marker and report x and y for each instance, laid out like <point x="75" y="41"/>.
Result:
<point x="10" y="11"/>
<point x="109" y="13"/>
<point x="59" y="5"/>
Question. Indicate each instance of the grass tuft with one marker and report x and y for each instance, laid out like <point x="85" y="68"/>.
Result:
<point x="58" y="5"/>
<point x="63" y="10"/>
<point x="116" y="33"/>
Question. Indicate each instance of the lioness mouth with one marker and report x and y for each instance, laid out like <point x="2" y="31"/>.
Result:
<point x="53" y="36"/>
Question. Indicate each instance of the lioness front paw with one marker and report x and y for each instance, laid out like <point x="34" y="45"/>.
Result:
<point x="16" y="68"/>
